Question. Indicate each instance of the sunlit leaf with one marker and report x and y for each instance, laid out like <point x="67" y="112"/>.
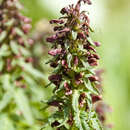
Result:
<point x="23" y="105"/>
<point x="3" y="36"/>
<point x="5" y="100"/>
<point x="6" y="123"/>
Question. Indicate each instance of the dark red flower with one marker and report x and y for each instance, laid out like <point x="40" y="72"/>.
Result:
<point x="64" y="11"/>
<point x="54" y="103"/>
<point x="78" y="79"/>
<point x="52" y="39"/>
<point x="93" y="78"/>
<point x="92" y="60"/>
<point x="55" y="52"/>
<point x="54" y="124"/>
<point x="88" y="47"/>
<point x="81" y="35"/>
<point x="96" y="56"/>
<point x="64" y="30"/>
<point x="76" y="60"/>
<point x="26" y="28"/>
<point x="96" y="98"/>
<point x="54" y="64"/>
<point x="97" y="44"/>
<point x="67" y="88"/>
<point x="55" y="77"/>
<point x="64" y="63"/>
<point x="82" y="99"/>
<point x="30" y="59"/>
<point x="57" y="21"/>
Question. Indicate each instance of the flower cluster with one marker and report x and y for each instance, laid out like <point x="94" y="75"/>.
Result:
<point x="14" y="43"/>
<point x="13" y="28"/>
<point x="78" y="86"/>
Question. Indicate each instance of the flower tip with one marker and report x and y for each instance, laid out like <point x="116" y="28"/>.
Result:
<point x="97" y="44"/>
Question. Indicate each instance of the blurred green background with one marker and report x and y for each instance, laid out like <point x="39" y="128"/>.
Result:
<point x="111" y="21"/>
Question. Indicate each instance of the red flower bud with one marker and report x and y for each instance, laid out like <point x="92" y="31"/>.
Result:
<point x="67" y="88"/>
<point x="29" y="60"/>
<point x="54" y="124"/>
<point x="27" y="20"/>
<point x="87" y="1"/>
<point x="64" y="30"/>
<point x="93" y="78"/>
<point x="30" y="41"/>
<point x="55" y="77"/>
<point x="64" y="63"/>
<point x="81" y="35"/>
<point x="88" y="47"/>
<point x="92" y="60"/>
<point x="57" y="21"/>
<point x="26" y="28"/>
<point x="21" y="41"/>
<point x="96" y="56"/>
<point x="76" y="60"/>
<point x="55" y="52"/>
<point x="64" y="11"/>
<point x="94" y="63"/>
<point x="97" y="44"/>
<point x="82" y="99"/>
<point x="96" y="98"/>
<point x="53" y="64"/>
<point x="52" y="39"/>
<point x="54" y="103"/>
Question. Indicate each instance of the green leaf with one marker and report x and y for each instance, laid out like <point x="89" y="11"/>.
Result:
<point x="81" y="48"/>
<point x="84" y="118"/>
<point x="89" y="86"/>
<point x="91" y="29"/>
<point x="95" y="124"/>
<point x="85" y="125"/>
<point x="69" y="59"/>
<point x="89" y="100"/>
<point x="57" y="69"/>
<point x="88" y="67"/>
<point x="74" y="35"/>
<point x="66" y="115"/>
<point x="56" y="116"/>
<point x="4" y="51"/>
<point x="77" y="120"/>
<point x="75" y="105"/>
<point x="1" y="64"/>
<point x="23" y="105"/>
<point x="3" y="36"/>
<point x="46" y="86"/>
<point x="14" y="47"/>
<point x="6" y="123"/>
<point x="19" y="31"/>
<point x="94" y="121"/>
<point x="61" y="86"/>
<point x="5" y="79"/>
<point x="37" y="91"/>
<point x="52" y="60"/>
<point x="9" y="23"/>
<point x="75" y="101"/>
<point x="29" y="68"/>
<point x="24" y="51"/>
<point x="5" y="100"/>
<point x="90" y="41"/>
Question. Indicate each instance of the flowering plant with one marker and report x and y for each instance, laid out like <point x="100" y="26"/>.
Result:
<point x="18" y="77"/>
<point x="77" y="82"/>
